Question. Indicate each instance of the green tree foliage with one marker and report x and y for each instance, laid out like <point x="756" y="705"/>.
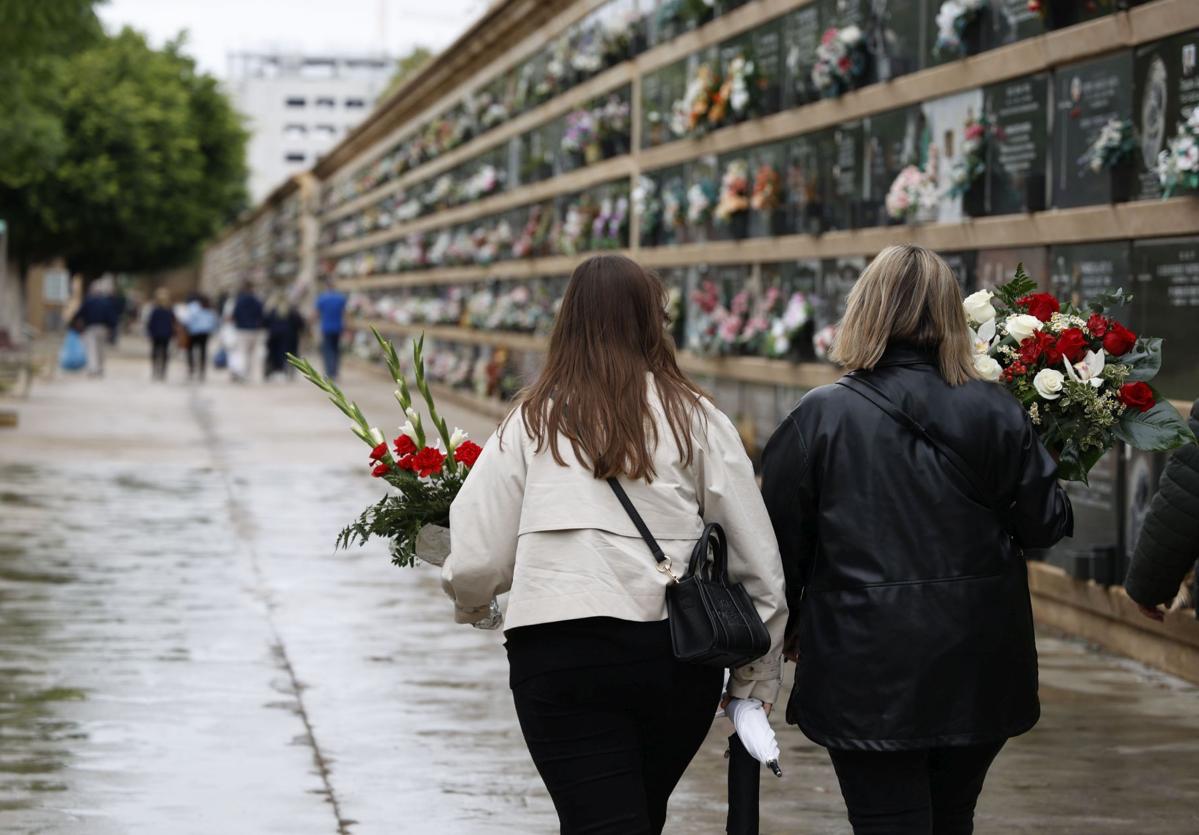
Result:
<point x="406" y="67"/>
<point x="148" y="160"/>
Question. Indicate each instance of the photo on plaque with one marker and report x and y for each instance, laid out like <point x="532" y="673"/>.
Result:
<point x="1081" y="272"/>
<point x="945" y="124"/>
<point x="1008" y="21"/>
<point x="1090" y="98"/>
<point x="1166" y="304"/>
<point x="1017" y="159"/>
<point x="891" y="142"/>
<point x="1165" y="91"/>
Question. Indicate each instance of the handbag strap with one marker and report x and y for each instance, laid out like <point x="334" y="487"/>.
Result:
<point x="871" y="392"/>
<point x="643" y="529"/>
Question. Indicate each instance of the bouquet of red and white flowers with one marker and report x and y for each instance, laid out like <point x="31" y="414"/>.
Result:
<point x="426" y="476"/>
<point x="1082" y="376"/>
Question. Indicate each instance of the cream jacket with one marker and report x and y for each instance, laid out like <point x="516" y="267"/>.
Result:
<point x="557" y="538"/>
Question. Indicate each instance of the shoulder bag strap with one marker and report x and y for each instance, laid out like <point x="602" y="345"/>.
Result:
<point x="871" y="392"/>
<point x="639" y="523"/>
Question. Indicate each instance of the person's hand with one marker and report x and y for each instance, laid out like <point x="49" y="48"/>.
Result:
<point x="1152" y="612"/>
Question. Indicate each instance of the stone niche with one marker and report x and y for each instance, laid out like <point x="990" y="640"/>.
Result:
<point x="1016" y="159"/>
<point x="1165" y="90"/>
<point x="1166" y="305"/>
<point x="1081" y="272"/>
<point x="891" y="141"/>
<point x="997" y="266"/>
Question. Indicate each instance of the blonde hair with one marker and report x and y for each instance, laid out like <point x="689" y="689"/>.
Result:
<point x="907" y="294"/>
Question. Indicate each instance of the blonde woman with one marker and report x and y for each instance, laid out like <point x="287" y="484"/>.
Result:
<point x="610" y="717"/>
<point x="901" y="498"/>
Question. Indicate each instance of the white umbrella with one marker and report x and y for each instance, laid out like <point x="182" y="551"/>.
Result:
<point x="753" y="728"/>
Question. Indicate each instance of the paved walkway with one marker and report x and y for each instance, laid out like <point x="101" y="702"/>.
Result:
<point x="181" y="651"/>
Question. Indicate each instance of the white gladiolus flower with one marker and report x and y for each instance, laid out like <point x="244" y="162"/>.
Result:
<point x="457" y="438"/>
<point x="412" y="415"/>
<point x="1088" y="370"/>
<point x="978" y="306"/>
<point x="376" y="435"/>
<point x="1021" y="326"/>
<point x="409" y="430"/>
<point x="987" y="367"/>
<point x="1048" y="383"/>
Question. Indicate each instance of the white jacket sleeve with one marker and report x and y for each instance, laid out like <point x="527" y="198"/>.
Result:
<point x="729" y="495"/>
<point x="484" y="525"/>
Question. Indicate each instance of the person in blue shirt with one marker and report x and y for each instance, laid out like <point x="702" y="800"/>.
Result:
<point x="201" y="322"/>
<point x="248" y="321"/>
<point x="160" y="327"/>
<point x="331" y="309"/>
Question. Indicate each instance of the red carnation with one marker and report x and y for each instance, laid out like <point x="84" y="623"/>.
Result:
<point x="1137" y="396"/>
<point x="1119" y="340"/>
<point x="467" y="453"/>
<point x="405" y="463"/>
<point x="427" y="462"/>
<point x="1098" y="325"/>
<point x="404" y="445"/>
<point x="378" y="452"/>
<point x="380" y="469"/>
<point x="1072" y="344"/>
<point x="1036" y="346"/>
<point x="1041" y="305"/>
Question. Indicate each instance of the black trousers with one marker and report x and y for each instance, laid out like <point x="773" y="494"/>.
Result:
<point x="159" y="352"/>
<point x="913" y="792"/>
<point x="611" y="742"/>
<point x="197" y="355"/>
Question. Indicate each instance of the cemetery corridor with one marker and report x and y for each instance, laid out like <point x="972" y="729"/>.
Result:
<point x="182" y="650"/>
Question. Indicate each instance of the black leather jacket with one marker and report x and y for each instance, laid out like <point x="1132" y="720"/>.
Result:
<point x="909" y="598"/>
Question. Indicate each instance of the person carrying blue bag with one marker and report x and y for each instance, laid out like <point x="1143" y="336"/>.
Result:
<point x="72" y="356"/>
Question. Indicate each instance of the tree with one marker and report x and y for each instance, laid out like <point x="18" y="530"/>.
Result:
<point x="151" y="161"/>
<point x="406" y="67"/>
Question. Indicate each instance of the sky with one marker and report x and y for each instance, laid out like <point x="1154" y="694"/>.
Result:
<point x="216" y="27"/>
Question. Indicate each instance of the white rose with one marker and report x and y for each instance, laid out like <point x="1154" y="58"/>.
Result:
<point x="1048" y="383"/>
<point x="851" y="35"/>
<point x="978" y="306"/>
<point x="987" y="367"/>
<point x="1021" y="326"/>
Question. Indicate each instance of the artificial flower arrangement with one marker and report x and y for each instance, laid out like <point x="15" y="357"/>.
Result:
<point x="913" y="192"/>
<point x="674" y="207"/>
<point x="841" y="61"/>
<point x="1178" y="165"/>
<point x="734" y="203"/>
<point x="1082" y="376"/>
<point x="1112" y="146"/>
<point x="694" y="113"/>
<point x="738" y="90"/>
<point x="612" y="119"/>
<point x="763" y="310"/>
<point x="647" y="205"/>
<point x="610" y="227"/>
<point x="580" y="139"/>
<point x="439" y="194"/>
<point x="954" y="19"/>
<point x="708" y="320"/>
<point x="425" y="473"/>
<point x="787" y="327"/>
<point x="701" y="199"/>
<point x="768" y="189"/>
<point x="485" y="181"/>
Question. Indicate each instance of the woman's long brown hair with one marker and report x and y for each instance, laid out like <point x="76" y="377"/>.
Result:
<point x="611" y="332"/>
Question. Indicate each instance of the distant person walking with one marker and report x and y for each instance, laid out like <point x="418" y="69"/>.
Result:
<point x="279" y="337"/>
<point x="201" y="323"/>
<point x="297" y="325"/>
<point x="331" y="308"/>
<point x="160" y="327"/>
<point x="98" y="313"/>
<point x="247" y="319"/>
<point x="1169" y="542"/>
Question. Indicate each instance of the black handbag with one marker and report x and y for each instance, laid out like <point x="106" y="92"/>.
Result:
<point x="712" y="622"/>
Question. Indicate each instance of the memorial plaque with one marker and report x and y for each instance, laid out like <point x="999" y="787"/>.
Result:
<point x="1142" y="475"/>
<point x="802" y="277"/>
<point x="1008" y="21"/>
<point x="1165" y="90"/>
<point x="1093" y="551"/>
<point x="843" y="209"/>
<point x="808" y="182"/>
<point x="1087" y="96"/>
<point x="768" y="215"/>
<point x="964" y="266"/>
<point x="842" y="13"/>
<point x="891" y="141"/>
<point x="802" y="29"/>
<point x="766" y="48"/>
<point x="837" y="277"/>
<point x="895" y="35"/>
<point x="654" y="114"/>
<point x="996" y="266"/>
<point x="1081" y="272"/>
<point x="1166" y="305"/>
<point x="945" y="121"/>
<point x="1016" y="159"/>
<point x="672" y="191"/>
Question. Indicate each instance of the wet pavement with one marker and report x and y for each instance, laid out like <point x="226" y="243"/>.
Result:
<point x="181" y="650"/>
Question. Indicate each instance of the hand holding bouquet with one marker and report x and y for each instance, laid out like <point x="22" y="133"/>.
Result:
<point x="1082" y="376"/>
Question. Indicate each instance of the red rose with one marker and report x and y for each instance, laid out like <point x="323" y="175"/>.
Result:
<point x="378" y="452"/>
<point x="427" y="462"/>
<point x="1137" y="396"/>
<point x="1119" y="340"/>
<point x="380" y="469"/>
<point x="1072" y="344"/>
<point x="1036" y="346"/>
<point x="1098" y="325"/>
<point x="1041" y="305"/>
<point x="467" y="453"/>
<point x="404" y="445"/>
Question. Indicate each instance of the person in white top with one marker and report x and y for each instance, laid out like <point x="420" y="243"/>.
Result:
<point x="611" y="718"/>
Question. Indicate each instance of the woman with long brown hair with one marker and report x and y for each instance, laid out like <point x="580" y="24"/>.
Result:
<point x="901" y="498"/>
<point x="611" y="718"/>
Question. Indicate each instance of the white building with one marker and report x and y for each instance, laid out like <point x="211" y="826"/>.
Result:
<point x="299" y="106"/>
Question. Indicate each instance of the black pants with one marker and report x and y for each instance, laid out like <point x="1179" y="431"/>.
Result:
<point x="612" y="742"/>
<point x="197" y="355"/>
<point x="913" y="792"/>
<point x="159" y="351"/>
